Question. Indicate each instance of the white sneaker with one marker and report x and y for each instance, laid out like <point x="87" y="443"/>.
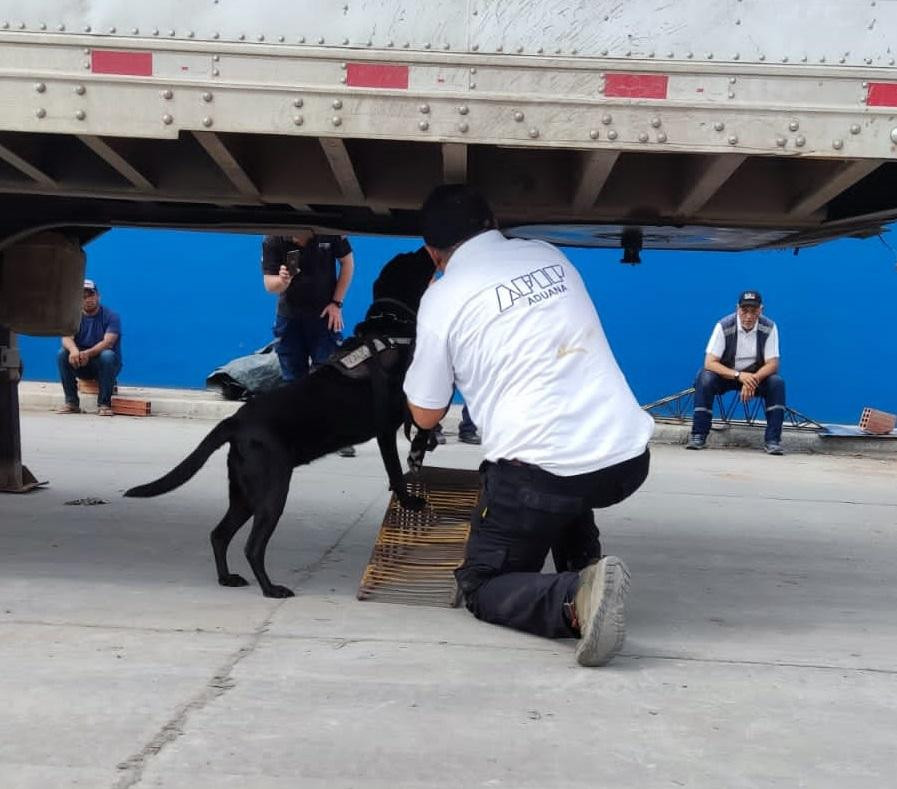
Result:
<point x="601" y="611"/>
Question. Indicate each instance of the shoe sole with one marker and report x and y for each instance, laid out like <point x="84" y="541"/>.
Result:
<point x="605" y="633"/>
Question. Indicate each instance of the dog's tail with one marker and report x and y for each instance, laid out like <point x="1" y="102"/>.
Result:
<point x="183" y="471"/>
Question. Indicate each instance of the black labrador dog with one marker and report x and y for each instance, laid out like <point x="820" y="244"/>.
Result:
<point x="356" y="396"/>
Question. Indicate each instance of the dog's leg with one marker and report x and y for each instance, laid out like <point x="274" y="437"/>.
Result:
<point x="267" y="514"/>
<point x="390" y="454"/>
<point x="237" y="514"/>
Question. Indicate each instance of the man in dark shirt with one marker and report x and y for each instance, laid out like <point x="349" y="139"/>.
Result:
<point x="301" y="269"/>
<point x="93" y="353"/>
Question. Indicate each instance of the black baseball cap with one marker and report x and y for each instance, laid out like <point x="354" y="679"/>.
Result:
<point x="452" y="213"/>
<point x="750" y="298"/>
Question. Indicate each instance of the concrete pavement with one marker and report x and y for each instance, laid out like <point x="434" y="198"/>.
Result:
<point x="762" y="646"/>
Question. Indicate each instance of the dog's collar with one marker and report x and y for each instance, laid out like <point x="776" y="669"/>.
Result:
<point x="412" y="313"/>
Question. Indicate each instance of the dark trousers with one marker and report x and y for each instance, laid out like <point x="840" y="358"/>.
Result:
<point x="103" y="369"/>
<point x="466" y="427"/>
<point x="304" y="339"/>
<point x="708" y="385"/>
<point x="523" y="512"/>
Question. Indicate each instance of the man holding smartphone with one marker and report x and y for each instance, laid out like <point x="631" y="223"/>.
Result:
<point x="302" y="270"/>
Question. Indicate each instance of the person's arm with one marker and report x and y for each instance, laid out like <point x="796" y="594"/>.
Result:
<point x="278" y="283"/>
<point x="333" y="312"/>
<point x="108" y="341"/>
<point x="74" y="354"/>
<point x="714" y="365"/>
<point x="426" y="418"/>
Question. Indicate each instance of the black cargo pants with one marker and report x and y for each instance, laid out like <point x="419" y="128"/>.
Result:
<point x="523" y="512"/>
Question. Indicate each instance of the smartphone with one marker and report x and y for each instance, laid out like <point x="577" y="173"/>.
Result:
<point x="292" y="262"/>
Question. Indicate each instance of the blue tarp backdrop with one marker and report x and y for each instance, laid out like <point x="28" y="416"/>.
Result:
<point x="191" y="301"/>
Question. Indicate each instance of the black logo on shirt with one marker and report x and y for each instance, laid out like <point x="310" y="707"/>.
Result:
<point x="538" y="285"/>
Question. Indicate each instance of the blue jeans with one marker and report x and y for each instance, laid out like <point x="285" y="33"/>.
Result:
<point x="103" y="369"/>
<point x="303" y="338"/>
<point x="708" y="385"/>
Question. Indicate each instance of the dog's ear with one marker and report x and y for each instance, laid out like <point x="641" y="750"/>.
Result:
<point x="407" y="274"/>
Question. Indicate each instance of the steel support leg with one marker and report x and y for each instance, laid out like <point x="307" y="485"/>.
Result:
<point x="14" y="477"/>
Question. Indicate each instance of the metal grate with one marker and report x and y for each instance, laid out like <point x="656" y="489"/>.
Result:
<point x="416" y="553"/>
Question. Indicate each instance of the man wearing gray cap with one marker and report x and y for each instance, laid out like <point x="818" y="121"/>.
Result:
<point x="93" y="353"/>
<point x="743" y="354"/>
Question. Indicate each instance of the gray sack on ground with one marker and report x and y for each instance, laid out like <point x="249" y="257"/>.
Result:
<point x="246" y="376"/>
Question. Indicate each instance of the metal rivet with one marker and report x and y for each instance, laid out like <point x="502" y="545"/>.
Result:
<point x="837" y="144"/>
<point x="155" y="31"/>
<point x="463" y="127"/>
<point x="345" y="41"/>
<point x="472" y="86"/>
<point x="661" y="137"/>
<point x="40" y="87"/>
<point x="869" y="61"/>
<point x="43" y="25"/>
<point x="298" y="102"/>
<point x="534" y="133"/>
<point x="733" y="140"/>
<point x="822" y="59"/>
<point x="762" y="57"/>
<point x="518" y="116"/>
<point x="854" y="128"/>
<point x="475" y="47"/>
<point x="655" y="122"/>
<point x="5" y="25"/>
<point x="86" y="28"/>
<point x="86" y="64"/>
<point x="206" y="96"/>
<point x="321" y="39"/>
<point x="337" y="104"/>
<point x="606" y="119"/>
<point x="171" y="32"/>
<point x="540" y="50"/>
<point x="780" y="141"/>
<point x="463" y="109"/>
<point x="336" y="120"/>
<point x="643" y="137"/>
<point x="865" y="84"/>
<point x="60" y="27"/>
<point x="167" y="119"/>
<point x="601" y="88"/>
<point x="260" y="37"/>
<point x="803" y="59"/>
<point x="794" y="125"/>
<point x="424" y="108"/>
<point x="446" y="45"/>
<point x="369" y="43"/>
<point x="135" y="31"/>
<point x="428" y="45"/>
<point x="343" y="66"/>
<point x="732" y="80"/>
<point x="423" y="125"/>
<point x="650" y="54"/>
<point x="215" y="72"/>
<point x="719" y="126"/>
<point x="167" y="94"/>
<point x="593" y="133"/>
<point x="603" y="53"/>
<point x="519" y="50"/>
<point x="499" y="48"/>
<point x="671" y="54"/>
<point x="736" y="56"/>
<point x="784" y="58"/>
<point x="894" y="135"/>
<point x="473" y="70"/>
<point x="301" y="39"/>
<point x="216" y="58"/>
<point x="690" y="55"/>
<point x="207" y="121"/>
<point x="21" y="25"/>
<point x="80" y="115"/>
<point x="281" y="39"/>
<point x="80" y="89"/>
<point x="800" y="140"/>
<point x="298" y="120"/>
<point x="842" y="60"/>
<point x="731" y="94"/>
<point x="111" y="29"/>
<point x="86" y="51"/>
<point x="612" y="134"/>
<point x="709" y="56"/>
<point x="40" y="112"/>
<point x="390" y="43"/>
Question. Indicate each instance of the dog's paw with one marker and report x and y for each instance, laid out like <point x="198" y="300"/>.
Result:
<point x="278" y="591"/>
<point x="413" y="503"/>
<point x="232" y="580"/>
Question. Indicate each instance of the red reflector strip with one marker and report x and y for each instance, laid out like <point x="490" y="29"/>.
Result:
<point x="882" y="94"/>
<point x="376" y="75"/>
<point x="111" y="61"/>
<point x="636" y="86"/>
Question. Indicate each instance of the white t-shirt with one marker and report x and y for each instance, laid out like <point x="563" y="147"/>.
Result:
<point x="746" y="344"/>
<point x="511" y="324"/>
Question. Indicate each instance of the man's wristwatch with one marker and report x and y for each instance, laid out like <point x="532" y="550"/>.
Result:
<point x="738" y="375"/>
<point x="338" y="303"/>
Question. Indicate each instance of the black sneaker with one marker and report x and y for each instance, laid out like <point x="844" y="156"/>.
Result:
<point x="774" y="448"/>
<point x="696" y="441"/>
<point x="470" y="438"/>
<point x="346" y="452"/>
